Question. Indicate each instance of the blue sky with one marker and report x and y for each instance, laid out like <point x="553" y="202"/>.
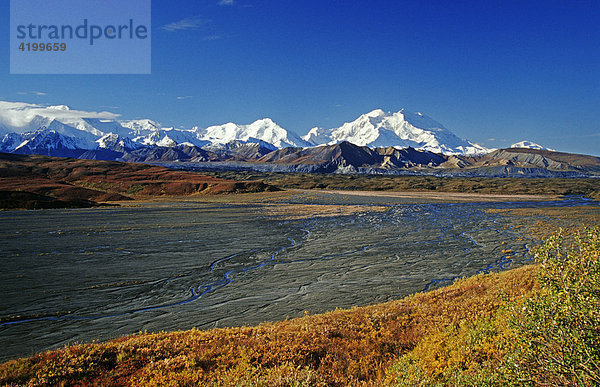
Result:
<point x="494" y="72"/>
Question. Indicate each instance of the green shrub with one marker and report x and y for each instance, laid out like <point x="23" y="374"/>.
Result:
<point x="558" y="329"/>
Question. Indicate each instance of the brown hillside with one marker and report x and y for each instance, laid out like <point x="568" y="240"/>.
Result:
<point x="52" y="182"/>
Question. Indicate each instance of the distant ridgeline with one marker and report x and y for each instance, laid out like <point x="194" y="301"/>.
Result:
<point x="374" y="143"/>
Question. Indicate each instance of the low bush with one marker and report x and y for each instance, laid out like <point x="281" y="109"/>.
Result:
<point x="558" y="329"/>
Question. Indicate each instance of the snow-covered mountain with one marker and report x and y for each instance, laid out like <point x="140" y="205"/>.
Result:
<point x="114" y="142"/>
<point x="103" y="130"/>
<point x="168" y="137"/>
<point x="376" y="142"/>
<point x="141" y="126"/>
<point x="19" y="117"/>
<point x="264" y="130"/>
<point x="44" y="141"/>
<point x="529" y="145"/>
<point x="400" y="130"/>
<point x="31" y="128"/>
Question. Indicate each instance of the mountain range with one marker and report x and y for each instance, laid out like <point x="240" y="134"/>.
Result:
<point x="376" y="142"/>
<point x="346" y="157"/>
<point x="53" y="129"/>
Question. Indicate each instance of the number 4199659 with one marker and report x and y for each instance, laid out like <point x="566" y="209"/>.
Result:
<point x="43" y="46"/>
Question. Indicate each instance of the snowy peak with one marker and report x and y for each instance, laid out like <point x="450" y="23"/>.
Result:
<point x="264" y="130"/>
<point x="47" y="141"/>
<point x="374" y="114"/>
<point x="400" y="129"/>
<point x="420" y="120"/>
<point x="529" y="145"/>
<point x="168" y="137"/>
<point x="140" y="125"/>
<point x="317" y="136"/>
<point x="59" y="107"/>
<point x="114" y="142"/>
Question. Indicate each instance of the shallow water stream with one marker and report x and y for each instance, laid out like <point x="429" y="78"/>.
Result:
<point x="95" y="274"/>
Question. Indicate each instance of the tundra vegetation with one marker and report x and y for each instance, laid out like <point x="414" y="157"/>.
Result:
<point x="537" y="324"/>
<point x="589" y="187"/>
<point x="37" y="182"/>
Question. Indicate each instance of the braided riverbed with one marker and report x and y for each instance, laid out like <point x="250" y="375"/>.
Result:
<point x="96" y="274"/>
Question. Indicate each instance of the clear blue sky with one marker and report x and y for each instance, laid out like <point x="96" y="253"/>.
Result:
<point x="493" y="72"/>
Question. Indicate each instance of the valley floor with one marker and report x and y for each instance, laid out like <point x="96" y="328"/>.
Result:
<point x="462" y="334"/>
